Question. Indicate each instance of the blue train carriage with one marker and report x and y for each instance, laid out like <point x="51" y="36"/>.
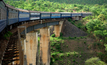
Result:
<point x="24" y="15"/>
<point x="34" y="15"/>
<point x="45" y="15"/>
<point x="84" y="14"/>
<point x="76" y="14"/>
<point x="55" y="15"/>
<point x="3" y="15"/>
<point x="12" y="14"/>
<point x="65" y="14"/>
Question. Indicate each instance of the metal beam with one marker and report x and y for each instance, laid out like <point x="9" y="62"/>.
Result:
<point x="31" y="28"/>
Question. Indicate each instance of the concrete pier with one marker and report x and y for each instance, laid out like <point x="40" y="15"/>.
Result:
<point x="58" y="28"/>
<point x="31" y="48"/>
<point x="45" y="46"/>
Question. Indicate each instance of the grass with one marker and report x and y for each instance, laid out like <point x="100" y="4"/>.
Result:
<point x="71" y="50"/>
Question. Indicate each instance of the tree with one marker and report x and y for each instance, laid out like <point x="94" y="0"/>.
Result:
<point x="95" y="25"/>
<point x="101" y="17"/>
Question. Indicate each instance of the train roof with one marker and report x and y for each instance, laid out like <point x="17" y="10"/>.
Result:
<point x="34" y="11"/>
<point x="23" y="10"/>
<point x="87" y="12"/>
<point x="65" y="12"/>
<point x="55" y="12"/>
<point x="11" y="7"/>
<point x="45" y="12"/>
<point x="76" y="13"/>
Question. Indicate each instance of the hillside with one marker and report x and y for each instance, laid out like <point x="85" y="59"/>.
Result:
<point x="71" y="1"/>
<point x="57" y="7"/>
<point x="80" y="1"/>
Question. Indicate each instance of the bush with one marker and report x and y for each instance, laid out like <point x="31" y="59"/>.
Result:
<point x="8" y="34"/>
<point x="100" y="55"/>
<point x="105" y="46"/>
<point x="94" y="61"/>
<point x="98" y="33"/>
<point x="101" y="17"/>
<point x="69" y="20"/>
<point x="95" y="25"/>
<point x="61" y="34"/>
<point x="96" y="44"/>
<point x="105" y="39"/>
<point x="53" y="35"/>
<point x="85" y="9"/>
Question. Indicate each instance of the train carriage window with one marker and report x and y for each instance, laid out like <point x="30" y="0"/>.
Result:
<point x="0" y="13"/>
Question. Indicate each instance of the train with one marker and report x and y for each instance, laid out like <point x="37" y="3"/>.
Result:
<point x="10" y="15"/>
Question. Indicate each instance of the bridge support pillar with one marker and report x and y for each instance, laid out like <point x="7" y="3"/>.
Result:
<point x="31" y="48"/>
<point x="77" y="18"/>
<point x="10" y="27"/>
<point x="80" y="17"/>
<point x="58" y="28"/>
<point x="45" y="46"/>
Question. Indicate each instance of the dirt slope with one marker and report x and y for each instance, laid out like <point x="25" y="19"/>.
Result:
<point x="69" y="29"/>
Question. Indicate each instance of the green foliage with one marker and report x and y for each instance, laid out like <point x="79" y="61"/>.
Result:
<point x="61" y="55"/>
<point x="105" y="39"/>
<point x="53" y="43"/>
<point x="105" y="46"/>
<point x="80" y="1"/>
<point x="101" y="17"/>
<point x="61" y="34"/>
<point x="69" y="20"/>
<point x="53" y="35"/>
<point x="72" y="38"/>
<point x="8" y="34"/>
<point x="85" y="9"/>
<point x="84" y="42"/>
<point x="97" y="44"/>
<point x="94" y="61"/>
<point x="57" y="46"/>
<point x="95" y="25"/>
<point x="94" y="11"/>
<point x="101" y="55"/>
<point x="87" y="18"/>
<point x="73" y="60"/>
<point x="100" y="33"/>
<point x="54" y="54"/>
<point x="80" y="56"/>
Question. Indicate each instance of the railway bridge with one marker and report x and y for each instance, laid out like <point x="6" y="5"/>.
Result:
<point x="32" y="52"/>
<point x="31" y="40"/>
<point x="23" y="47"/>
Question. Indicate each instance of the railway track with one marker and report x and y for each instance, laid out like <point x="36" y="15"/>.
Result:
<point x="11" y="55"/>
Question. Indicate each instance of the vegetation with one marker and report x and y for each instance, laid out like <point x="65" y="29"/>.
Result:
<point x="62" y="52"/>
<point x="8" y="34"/>
<point x="96" y="28"/>
<point x="71" y="1"/>
<point x="57" y="7"/>
<point x="94" y="61"/>
<point x="94" y="25"/>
